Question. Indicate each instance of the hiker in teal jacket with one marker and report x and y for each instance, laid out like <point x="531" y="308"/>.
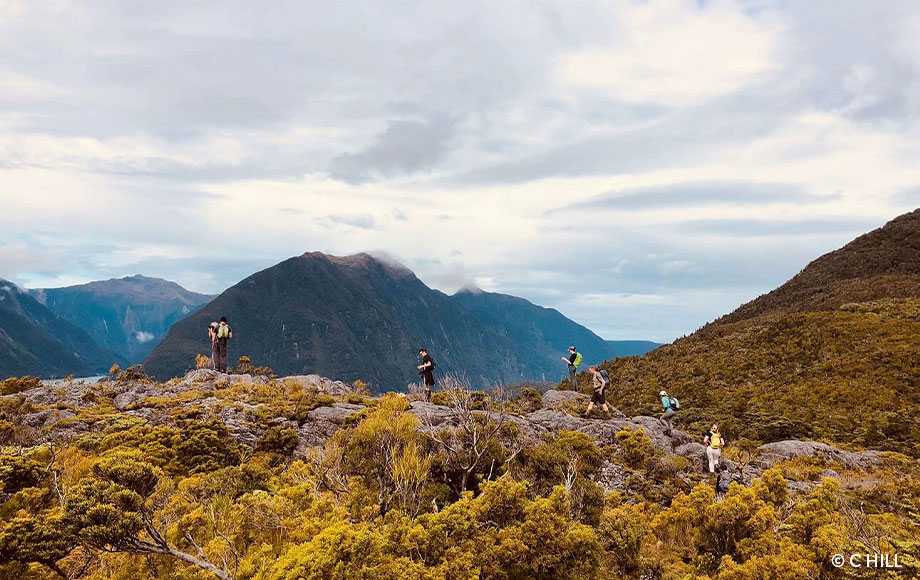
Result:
<point x="669" y="412"/>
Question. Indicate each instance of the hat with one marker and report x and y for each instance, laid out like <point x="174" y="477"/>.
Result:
<point x="662" y="393"/>
<point x="572" y="348"/>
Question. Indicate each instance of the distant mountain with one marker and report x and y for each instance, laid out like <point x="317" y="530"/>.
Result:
<point x="616" y="348"/>
<point x="127" y="315"/>
<point x="357" y="317"/>
<point x="35" y="341"/>
<point x="834" y="352"/>
<point x="540" y="335"/>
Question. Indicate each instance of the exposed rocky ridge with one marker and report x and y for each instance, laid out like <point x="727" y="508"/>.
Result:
<point x="59" y="406"/>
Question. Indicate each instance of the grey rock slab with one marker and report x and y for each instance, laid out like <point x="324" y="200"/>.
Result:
<point x="554" y="398"/>
<point x="781" y="450"/>
<point x="322" y="384"/>
<point x="336" y="413"/>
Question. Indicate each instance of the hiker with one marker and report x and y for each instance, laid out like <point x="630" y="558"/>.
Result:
<point x="426" y="370"/>
<point x="223" y="334"/>
<point x="724" y="480"/>
<point x="572" y="362"/>
<point x="212" y="334"/>
<point x="714" y="443"/>
<point x="670" y="409"/>
<point x="598" y="396"/>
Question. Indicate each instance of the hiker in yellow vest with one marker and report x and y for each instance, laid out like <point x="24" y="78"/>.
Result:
<point x="714" y="443"/>
<point x="572" y="362"/>
<point x="224" y="333"/>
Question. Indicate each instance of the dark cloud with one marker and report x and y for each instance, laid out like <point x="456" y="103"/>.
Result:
<point x="404" y="147"/>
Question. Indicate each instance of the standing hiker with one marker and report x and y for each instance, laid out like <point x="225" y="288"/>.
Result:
<point x="671" y="406"/>
<point x="224" y="333"/>
<point x="598" y="396"/>
<point x="714" y="444"/>
<point x="572" y="362"/>
<point x="212" y="334"/>
<point x="426" y="370"/>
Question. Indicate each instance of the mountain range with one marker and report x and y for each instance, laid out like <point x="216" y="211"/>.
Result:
<point x="359" y="317"/>
<point x="36" y="341"/>
<point x="834" y="352"/>
<point x="127" y="315"/>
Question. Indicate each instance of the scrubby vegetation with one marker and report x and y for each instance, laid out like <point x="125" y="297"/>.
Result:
<point x="850" y="375"/>
<point x="390" y="496"/>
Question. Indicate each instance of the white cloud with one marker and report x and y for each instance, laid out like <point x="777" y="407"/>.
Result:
<point x="673" y="53"/>
<point x="143" y="337"/>
<point x="199" y="143"/>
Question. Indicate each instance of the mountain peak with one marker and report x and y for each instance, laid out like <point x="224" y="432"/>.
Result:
<point x="362" y="260"/>
<point x="470" y="288"/>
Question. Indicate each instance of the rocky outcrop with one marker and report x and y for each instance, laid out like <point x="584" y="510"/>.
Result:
<point x="154" y="403"/>
<point x="321" y="384"/>
<point x="792" y="448"/>
<point x="554" y="399"/>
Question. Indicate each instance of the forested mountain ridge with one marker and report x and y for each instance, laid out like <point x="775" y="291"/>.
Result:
<point x="833" y="353"/>
<point x="35" y="341"/>
<point x="128" y="315"/>
<point x="357" y="317"/>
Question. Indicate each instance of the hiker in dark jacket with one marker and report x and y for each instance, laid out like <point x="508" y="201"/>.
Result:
<point x="598" y="395"/>
<point x="426" y="370"/>
<point x="223" y="334"/>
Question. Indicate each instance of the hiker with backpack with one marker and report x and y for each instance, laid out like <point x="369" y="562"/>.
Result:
<point x="426" y="371"/>
<point x="598" y="396"/>
<point x="671" y="406"/>
<point x="714" y="443"/>
<point x="222" y="334"/>
<point x="212" y="335"/>
<point x="723" y="480"/>
<point x="572" y="362"/>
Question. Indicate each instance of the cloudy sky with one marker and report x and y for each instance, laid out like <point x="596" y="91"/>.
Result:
<point x="644" y="166"/>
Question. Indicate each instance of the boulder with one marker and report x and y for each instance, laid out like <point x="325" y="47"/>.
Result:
<point x="336" y="413"/>
<point x="46" y="418"/>
<point x="553" y="399"/>
<point x="781" y="450"/>
<point x="431" y="415"/>
<point x="322" y="384"/>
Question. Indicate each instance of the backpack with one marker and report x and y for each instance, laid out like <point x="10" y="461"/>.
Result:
<point x="724" y="481"/>
<point x="606" y="378"/>
<point x="223" y="331"/>
<point x="675" y="404"/>
<point x="578" y="359"/>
